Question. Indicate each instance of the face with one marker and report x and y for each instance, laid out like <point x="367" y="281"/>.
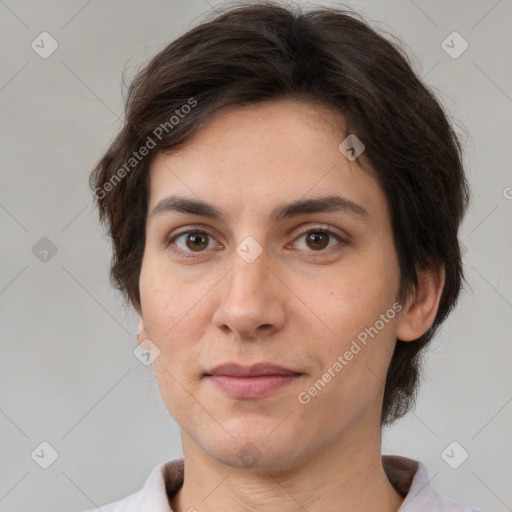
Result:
<point x="301" y="290"/>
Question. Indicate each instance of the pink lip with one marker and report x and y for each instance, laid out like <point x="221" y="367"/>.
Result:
<point x="254" y="381"/>
<point x="254" y="370"/>
<point x="251" y="387"/>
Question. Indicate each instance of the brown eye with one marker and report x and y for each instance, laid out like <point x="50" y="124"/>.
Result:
<point x="317" y="240"/>
<point x="189" y="242"/>
<point x="196" y="240"/>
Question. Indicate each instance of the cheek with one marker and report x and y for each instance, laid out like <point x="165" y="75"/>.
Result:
<point x="351" y="297"/>
<point x="167" y="312"/>
<point x="351" y="374"/>
<point x="166" y="298"/>
<point x="355" y="321"/>
<point x="171" y="306"/>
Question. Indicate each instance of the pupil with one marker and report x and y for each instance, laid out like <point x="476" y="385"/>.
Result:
<point x="317" y="238"/>
<point x="195" y="239"/>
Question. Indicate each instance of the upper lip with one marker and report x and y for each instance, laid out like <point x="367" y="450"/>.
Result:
<point x="238" y="370"/>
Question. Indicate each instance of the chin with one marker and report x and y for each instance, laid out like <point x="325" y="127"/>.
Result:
<point x="254" y="452"/>
<point x="251" y="458"/>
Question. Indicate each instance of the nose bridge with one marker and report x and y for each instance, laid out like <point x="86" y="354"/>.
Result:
<point x="250" y="258"/>
<point x="249" y="277"/>
<point x="250" y="297"/>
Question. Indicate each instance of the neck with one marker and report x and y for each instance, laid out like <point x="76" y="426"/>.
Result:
<point x="345" y="477"/>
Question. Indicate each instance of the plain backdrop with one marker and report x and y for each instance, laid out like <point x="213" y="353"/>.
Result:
<point x="68" y="374"/>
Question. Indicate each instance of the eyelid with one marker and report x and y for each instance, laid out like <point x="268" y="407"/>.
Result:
<point x="318" y="226"/>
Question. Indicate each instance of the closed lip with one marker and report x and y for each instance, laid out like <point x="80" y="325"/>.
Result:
<point x="254" y="370"/>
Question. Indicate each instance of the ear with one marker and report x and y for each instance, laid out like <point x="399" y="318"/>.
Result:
<point x="142" y="335"/>
<point x="421" y="309"/>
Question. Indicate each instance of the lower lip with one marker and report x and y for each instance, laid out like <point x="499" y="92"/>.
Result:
<point x="252" y="387"/>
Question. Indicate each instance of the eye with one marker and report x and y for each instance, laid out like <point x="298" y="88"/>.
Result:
<point x="191" y="241"/>
<point x="318" y="240"/>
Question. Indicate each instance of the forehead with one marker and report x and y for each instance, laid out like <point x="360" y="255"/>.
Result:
<point x="255" y="157"/>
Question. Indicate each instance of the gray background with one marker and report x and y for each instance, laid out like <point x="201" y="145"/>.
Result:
<point x="68" y="375"/>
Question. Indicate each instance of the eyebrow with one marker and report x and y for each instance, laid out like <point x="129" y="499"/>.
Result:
<point x="330" y="203"/>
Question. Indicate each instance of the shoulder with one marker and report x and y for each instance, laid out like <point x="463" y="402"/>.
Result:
<point x="434" y="500"/>
<point x="165" y="480"/>
<point x="127" y="504"/>
<point x="410" y="478"/>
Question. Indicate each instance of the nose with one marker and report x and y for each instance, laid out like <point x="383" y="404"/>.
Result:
<point x="252" y="301"/>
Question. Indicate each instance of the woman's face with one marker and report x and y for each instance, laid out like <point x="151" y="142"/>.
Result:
<point x="252" y="288"/>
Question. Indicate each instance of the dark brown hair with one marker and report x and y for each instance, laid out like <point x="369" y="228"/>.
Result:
<point x="261" y="51"/>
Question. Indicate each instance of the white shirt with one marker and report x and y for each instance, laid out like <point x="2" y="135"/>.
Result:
<point x="409" y="477"/>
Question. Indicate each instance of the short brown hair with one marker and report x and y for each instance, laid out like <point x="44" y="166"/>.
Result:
<point x="254" y="52"/>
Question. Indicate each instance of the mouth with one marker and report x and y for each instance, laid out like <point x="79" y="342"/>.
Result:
<point x="256" y="381"/>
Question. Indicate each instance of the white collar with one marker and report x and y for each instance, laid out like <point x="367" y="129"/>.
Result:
<point x="408" y="476"/>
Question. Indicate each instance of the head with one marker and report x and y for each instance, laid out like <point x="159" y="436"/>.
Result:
<point x="249" y="112"/>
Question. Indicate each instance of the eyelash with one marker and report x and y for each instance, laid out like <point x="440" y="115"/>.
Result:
<point x="315" y="229"/>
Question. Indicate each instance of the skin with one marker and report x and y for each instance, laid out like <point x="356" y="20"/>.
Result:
<point x="296" y="305"/>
